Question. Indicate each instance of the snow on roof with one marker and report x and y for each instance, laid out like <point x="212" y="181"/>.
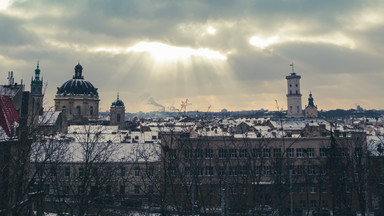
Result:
<point x="374" y="143"/>
<point x="49" y="117"/>
<point x="77" y="152"/>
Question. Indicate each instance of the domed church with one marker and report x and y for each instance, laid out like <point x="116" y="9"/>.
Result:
<point x="77" y="99"/>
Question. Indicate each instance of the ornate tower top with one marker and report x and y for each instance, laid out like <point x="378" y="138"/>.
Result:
<point x="310" y="100"/>
<point x="37" y="80"/>
<point x="78" y="72"/>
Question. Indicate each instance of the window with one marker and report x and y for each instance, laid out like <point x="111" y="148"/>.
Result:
<point x="172" y="171"/>
<point x="267" y="170"/>
<point x="172" y="154"/>
<point x="313" y="188"/>
<point x="256" y="153"/>
<point x="291" y="168"/>
<point x="243" y="170"/>
<point x="188" y="153"/>
<point x="257" y="170"/>
<point x="64" y="109"/>
<point x="67" y="172"/>
<point x="276" y="153"/>
<point x="94" y="171"/>
<point x="291" y="152"/>
<point x="53" y="171"/>
<point x="302" y="204"/>
<point x="323" y="188"/>
<point x="243" y="153"/>
<point x="200" y="171"/>
<point x="109" y="171"/>
<point x="91" y="110"/>
<point x="210" y="189"/>
<point x="118" y="118"/>
<point x="154" y="137"/>
<point x="358" y="152"/>
<point x="298" y="108"/>
<point x="209" y="171"/>
<point x="348" y="188"/>
<point x="232" y="153"/>
<point x="310" y="152"/>
<point x="81" y="172"/>
<point x="302" y="189"/>
<point x="300" y="170"/>
<point x="199" y="153"/>
<point x="221" y="171"/>
<point x="187" y="171"/>
<point x="311" y="170"/>
<point x="313" y="203"/>
<point x="222" y="153"/>
<point x="137" y="171"/>
<point x="323" y="152"/>
<point x="46" y="189"/>
<point x="244" y="189"/>
<point x="299" y="152"/>
<point x="150" y="171"/>
<point x="267" y="153"/>
<point x="232" y="189"/>
<point x="137" y="189"/>
<point x="208" y="153"/>
<point x="233" y="171"/>
<point x="122" y="189"/>
<point x="78" y="110"/>
<point x="324" y="203"/>
<point x="150" y="189"/>
<point x="122" y="171"/>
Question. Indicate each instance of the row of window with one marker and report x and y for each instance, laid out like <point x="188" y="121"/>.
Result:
<point x="78" y="110"/>
<point x="245" y="170"/>
<point x="244" y="153"/>
<point x="108" y="171"/>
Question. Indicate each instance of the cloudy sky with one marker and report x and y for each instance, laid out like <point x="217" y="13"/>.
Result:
<point x="217" y="53"/>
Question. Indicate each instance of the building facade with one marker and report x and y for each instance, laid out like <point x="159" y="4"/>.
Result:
<point x="305" y="175"/>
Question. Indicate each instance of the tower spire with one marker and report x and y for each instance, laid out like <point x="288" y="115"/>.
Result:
<point x="293" y="70"/>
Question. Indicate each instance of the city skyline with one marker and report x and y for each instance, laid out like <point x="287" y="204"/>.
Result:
<point x="218" y="54"/>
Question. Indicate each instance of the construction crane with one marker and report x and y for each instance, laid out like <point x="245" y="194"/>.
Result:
<point x="277" y="106"/>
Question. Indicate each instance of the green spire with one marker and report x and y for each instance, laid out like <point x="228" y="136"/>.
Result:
<point x="37" y="80"/>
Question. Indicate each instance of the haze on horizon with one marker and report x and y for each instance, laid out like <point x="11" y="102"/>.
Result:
<point x="223" y="54"/>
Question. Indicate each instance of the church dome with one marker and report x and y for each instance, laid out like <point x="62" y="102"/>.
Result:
<point x="118" y="102"/>
<point x="77" y="85"/>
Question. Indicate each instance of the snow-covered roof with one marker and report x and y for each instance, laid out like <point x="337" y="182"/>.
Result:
<point x="49" y="118"/>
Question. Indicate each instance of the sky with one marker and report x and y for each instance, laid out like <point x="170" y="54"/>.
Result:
<point x="218" y="54"/>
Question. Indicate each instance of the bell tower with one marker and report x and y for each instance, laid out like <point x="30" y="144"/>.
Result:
<point x="117" y="112"/>
<point x="37" y="92"/>
<point x="294" y="95"/>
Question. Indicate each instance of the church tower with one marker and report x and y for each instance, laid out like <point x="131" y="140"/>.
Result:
<point x="117" y="112"/>
<point x="37" y="92"/>
<point x="311" y="109"/>
<point x="294" y="95"/>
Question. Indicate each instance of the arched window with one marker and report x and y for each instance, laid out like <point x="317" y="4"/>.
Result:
<point x="118" y="118"/>
<point x="78" y="110"/>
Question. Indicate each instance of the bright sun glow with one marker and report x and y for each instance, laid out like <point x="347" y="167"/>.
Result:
<point x="211" y="30"/>
<point x="263" y="42"/>
<point x="166" y="53"/>
<point x="4" y="4"/>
